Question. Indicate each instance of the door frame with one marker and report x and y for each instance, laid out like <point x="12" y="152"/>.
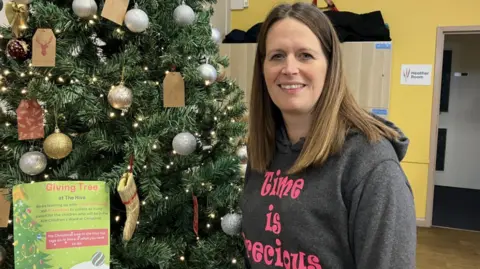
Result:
<point x="442" y="31"/>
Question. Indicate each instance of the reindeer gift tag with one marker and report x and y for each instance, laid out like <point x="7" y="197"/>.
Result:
<point x="44" y="48"/>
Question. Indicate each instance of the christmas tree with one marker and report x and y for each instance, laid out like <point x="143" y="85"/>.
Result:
<point x="29" y="237"/>
<point x="132" y="94"/>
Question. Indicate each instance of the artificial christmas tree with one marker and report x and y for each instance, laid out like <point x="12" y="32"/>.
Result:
<point x="127" y="87"/>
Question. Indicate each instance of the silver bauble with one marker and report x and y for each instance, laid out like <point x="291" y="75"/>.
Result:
<point x="33" y="163"/>
<point x="120" y="97"/>
<point x="184" y="15"/>
<point x="184" y="143"/>
<point x="136" y="20"/>
<point x="84" y="8"/>
<point x="242" y="153"/>
<point x="216" y="36"/>
<point x="232" y="223"/>
<point x="208" y="73"/>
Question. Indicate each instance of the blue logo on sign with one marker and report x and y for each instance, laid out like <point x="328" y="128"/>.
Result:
<point x="379" y="111"/>
<point x="385" y="45"/>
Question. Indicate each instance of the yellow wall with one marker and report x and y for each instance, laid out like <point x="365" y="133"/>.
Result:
<point x="413" y="26"/>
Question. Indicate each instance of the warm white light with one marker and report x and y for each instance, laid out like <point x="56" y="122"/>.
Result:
<point x="135" y="125"/>
<point x="45" y="176"/>
<point x="144" y="203"/>
<point x="7" y="124"/>
<point x="91" y="22"/>
<point x="234" y="261"/>
<point x="112" y="114"/>
<point x="6" y="72"/>
<point x="182" y="258"/>
<point x="208" y="225"/>
<point x="212" y="215"/>
<point x="60" y="79"/>
<point x="117" y="218"/>
<point x="22" y="74"/>
<point x="24" y="91"/>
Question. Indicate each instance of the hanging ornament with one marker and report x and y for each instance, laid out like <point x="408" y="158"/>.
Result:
<point x="120" y="97"/>
<point x="208" y="73"/>
<point x="184" y="143"/>
<point x="3" y="256"/>
<point x="242" y="153"/>
<point x="127" y="189"/>
<point x="184" y="15"/>
<point x="222" y="73"/>
<point x="33" y="163"/>
<point x="84" y="8"/>
<point x="17" y="16"/>
<point x="232" y="223"/>
<point x="17" y="49"/>
<point x="57" y="145"/>
<point x="136" y="20"/>
<point x="216" y="35"/>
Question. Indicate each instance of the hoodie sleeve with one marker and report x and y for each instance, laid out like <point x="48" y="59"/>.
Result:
<point x="382" y="220"/>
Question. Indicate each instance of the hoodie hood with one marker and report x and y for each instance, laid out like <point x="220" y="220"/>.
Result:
<point x="400" y="145"/>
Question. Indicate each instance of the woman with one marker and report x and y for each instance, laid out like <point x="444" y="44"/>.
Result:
<point x="324" y="188"/>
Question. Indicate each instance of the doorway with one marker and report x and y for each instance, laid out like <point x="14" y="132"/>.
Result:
<point x="453" y="194"/>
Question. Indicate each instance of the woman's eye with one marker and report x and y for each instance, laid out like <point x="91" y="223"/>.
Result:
<point x="306" y="56"/>
<point x="276" y="57"/>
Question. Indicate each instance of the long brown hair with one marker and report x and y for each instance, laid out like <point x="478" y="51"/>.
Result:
<point x="336" y="110"/>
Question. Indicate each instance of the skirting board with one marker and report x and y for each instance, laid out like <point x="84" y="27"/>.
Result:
<point x="422" y="223"/>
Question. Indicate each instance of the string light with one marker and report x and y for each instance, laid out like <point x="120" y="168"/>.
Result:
<point x="117" y="218"/>
<point x="182" y="258"/>
<point x="234" y="261"/>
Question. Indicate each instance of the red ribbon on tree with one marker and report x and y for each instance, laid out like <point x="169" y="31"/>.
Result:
<point x="195" y="214"/>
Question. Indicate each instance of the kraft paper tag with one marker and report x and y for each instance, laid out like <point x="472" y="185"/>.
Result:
<point x="173" y="90"/>
<point x="4" y="208"/>
<point x="30" y="120"/>
<point x="115" y="10"/>
<point x="44" y="48"/>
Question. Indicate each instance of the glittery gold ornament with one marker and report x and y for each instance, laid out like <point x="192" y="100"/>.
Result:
<point x="57" y="145"/>
<point x="120" y="97"/>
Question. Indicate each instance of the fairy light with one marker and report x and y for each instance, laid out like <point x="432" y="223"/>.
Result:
<point x="7" y="124"/>
<point x="166" y="72"/>
<point x="22" y="74"/>
<point x="91" y="22"/>
<point x="212" y="215"/>
<point x="117" y="218"/>
<point x="47" y="78"/>
<point x="57" y="31"/>
<point x="144" y="203"/>
<point x="112" y="114"/>
<point x="144" y="167"/>
<point x="145" y="68"/>
<point x="168" y="166"/>
<point x="135" y="125"/>
<point x="208" y="225"/>
<point x="186" y="190"/>
<point x="182" y="258"/>
<point x="45" y="176"/>
<point x="94" y="79"/>
<point x="234" y="261"/>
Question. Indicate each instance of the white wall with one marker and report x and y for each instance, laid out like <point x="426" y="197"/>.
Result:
<point x="462" y="153"/>
<point x="3" y="19"/>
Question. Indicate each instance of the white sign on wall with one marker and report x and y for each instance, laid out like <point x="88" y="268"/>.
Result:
<point x="416" y="74"/>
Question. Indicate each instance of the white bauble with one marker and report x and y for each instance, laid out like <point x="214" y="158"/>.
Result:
<point x="184" y="143"/>
<point x="136" y="20"/>
<point x="208" y="73"/>
<point x="84" y="8"/>
<point x="33" y="163"/>
<point x="216" y="36"/>
<point x="232" y="223"/>
<point x="120" y="97"/>
<point x="25" y="2"/>
<point x="184" y="15"/>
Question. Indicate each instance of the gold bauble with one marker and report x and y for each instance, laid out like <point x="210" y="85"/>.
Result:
<point x="57" y="145"/>
<point x="221" y="73"/>
<point x="120" y="97"/>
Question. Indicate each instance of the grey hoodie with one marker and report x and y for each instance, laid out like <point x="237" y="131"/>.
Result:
<point x="354" y="212"/>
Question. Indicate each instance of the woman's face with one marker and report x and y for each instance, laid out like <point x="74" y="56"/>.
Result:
<point x="294" y="67"/>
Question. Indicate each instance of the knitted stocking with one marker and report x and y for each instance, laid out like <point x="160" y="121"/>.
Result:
<point x="128" y="193"/>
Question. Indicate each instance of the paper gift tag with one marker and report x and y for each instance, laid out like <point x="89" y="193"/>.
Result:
<point x="4" y="208"/>
<point x="173" y="90"/>
<point x="30" y="120"/>
<point x="115" y="10"/>
<point x="44" y="48"/>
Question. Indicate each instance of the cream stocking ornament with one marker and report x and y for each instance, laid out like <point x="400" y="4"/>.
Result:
<point x="128" y="193"/>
